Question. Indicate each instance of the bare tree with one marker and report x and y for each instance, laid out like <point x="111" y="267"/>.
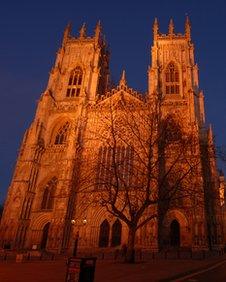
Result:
<point x="139" y="162"/>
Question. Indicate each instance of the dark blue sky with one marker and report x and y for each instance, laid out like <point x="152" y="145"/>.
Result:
<point x="31" y="33"/>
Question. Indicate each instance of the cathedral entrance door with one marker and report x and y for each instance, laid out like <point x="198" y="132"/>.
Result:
<point x="44" y="236"/>
<point x="175" y="233"/>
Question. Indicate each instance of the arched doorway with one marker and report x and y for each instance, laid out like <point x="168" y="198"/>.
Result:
<point x="116" y="233"/>
<point x="104" y="234"/>
<point x="175" y="233"/>
<point x="45" y="236"/>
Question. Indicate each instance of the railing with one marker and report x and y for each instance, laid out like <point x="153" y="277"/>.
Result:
<point x="116" y="255"/>
<point x="146" y="255"/>
<point x="28" y="256"/>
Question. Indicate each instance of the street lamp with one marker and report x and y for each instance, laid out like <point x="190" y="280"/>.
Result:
<point x="84" y="221"/>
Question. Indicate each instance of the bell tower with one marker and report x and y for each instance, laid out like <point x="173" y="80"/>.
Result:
<point x="173" y="73"/>
<point x="81" y="70"/>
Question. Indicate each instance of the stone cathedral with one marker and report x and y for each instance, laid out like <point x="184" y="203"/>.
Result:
<point x="41" y="209"/>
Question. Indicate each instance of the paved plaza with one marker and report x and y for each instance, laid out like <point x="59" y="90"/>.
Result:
<point x="106" y="271"/>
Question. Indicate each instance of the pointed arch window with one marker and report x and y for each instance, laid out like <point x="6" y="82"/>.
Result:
<point x="61" y="135"/>
<point x="104" y="234"/>
<point x="48" y="195"/>
<point x="110" y="161"/>
<point x="116" y="233"/>
<point x="75" y="83"/>
<point x="171" y="130"/>
<point x="172" y="82"/>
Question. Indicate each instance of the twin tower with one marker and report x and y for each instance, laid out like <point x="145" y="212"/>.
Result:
<point x="88" y="58"/>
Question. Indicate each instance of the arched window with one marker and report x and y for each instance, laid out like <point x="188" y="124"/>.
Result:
<point x="116" y="233"/>
<point x="75" y="83"/>
<point x="104" y="234"/>
<point x="171" y="130"/>
<point x="172" y="79"/>
<point x="61" y="136"/>
<point x="48" y="195"/>
<point x="122" y="158"/>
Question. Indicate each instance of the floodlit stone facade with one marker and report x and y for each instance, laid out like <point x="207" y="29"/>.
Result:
<point x="44" y="209"/>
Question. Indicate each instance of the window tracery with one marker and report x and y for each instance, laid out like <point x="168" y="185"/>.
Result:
<point x="172" y="79"/>
<point x="62" y="133"/>
<point x="109" y="159"/>
<point x="171" y="131"/>
<point x="75" y="83"/>
<point x="48" y="195"/>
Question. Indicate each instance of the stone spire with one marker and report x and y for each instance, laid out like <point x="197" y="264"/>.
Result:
<point x="155" y="28"/>
<point x="171" y="27"/>
<point x="188" y="28"/>
<point x="67" y="32"/>
<point x="123" y="81"/>
<point x="82" y="31"/>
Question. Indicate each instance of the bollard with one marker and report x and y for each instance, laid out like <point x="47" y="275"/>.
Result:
<point x="203" y="254"/>
<point x="116" y="254"/>
<point x="165" y="254"/>
<point x="53" y="257"/>
<point x="140" y="254"/>
<point x="28" y="256"/>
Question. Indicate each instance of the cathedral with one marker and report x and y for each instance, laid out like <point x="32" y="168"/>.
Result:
<point x="62" y="186"/>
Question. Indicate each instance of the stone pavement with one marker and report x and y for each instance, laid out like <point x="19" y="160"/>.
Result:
<point x="157" y="270"/>
<point x="106" y="271"/>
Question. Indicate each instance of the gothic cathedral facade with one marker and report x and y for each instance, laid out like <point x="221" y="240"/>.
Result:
<point x="40" y="210"/>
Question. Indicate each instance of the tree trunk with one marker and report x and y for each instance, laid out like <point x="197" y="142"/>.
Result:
<point x="130" y="253"/>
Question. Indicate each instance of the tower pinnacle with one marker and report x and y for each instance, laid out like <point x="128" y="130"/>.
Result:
<point x="171" y="27"/>
<point x="97" y="31"/>
<point x="188" y="28"/>
<point x="98" y="28"/>
<point x="210" y="134"/>
<point x="67" y="32"/>
<point x="82" y="31"/>
<point x="155" y="28"/>
<point x="122" y="81"/>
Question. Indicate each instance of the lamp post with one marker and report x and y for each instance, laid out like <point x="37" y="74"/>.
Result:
<point x="84" y="221"/>
<point x="76" y="244"/>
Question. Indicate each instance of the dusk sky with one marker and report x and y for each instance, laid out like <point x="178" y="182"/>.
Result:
<point x="31" y="33"/>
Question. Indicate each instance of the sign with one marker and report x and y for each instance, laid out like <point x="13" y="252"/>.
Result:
<point x="73" y="270"/>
